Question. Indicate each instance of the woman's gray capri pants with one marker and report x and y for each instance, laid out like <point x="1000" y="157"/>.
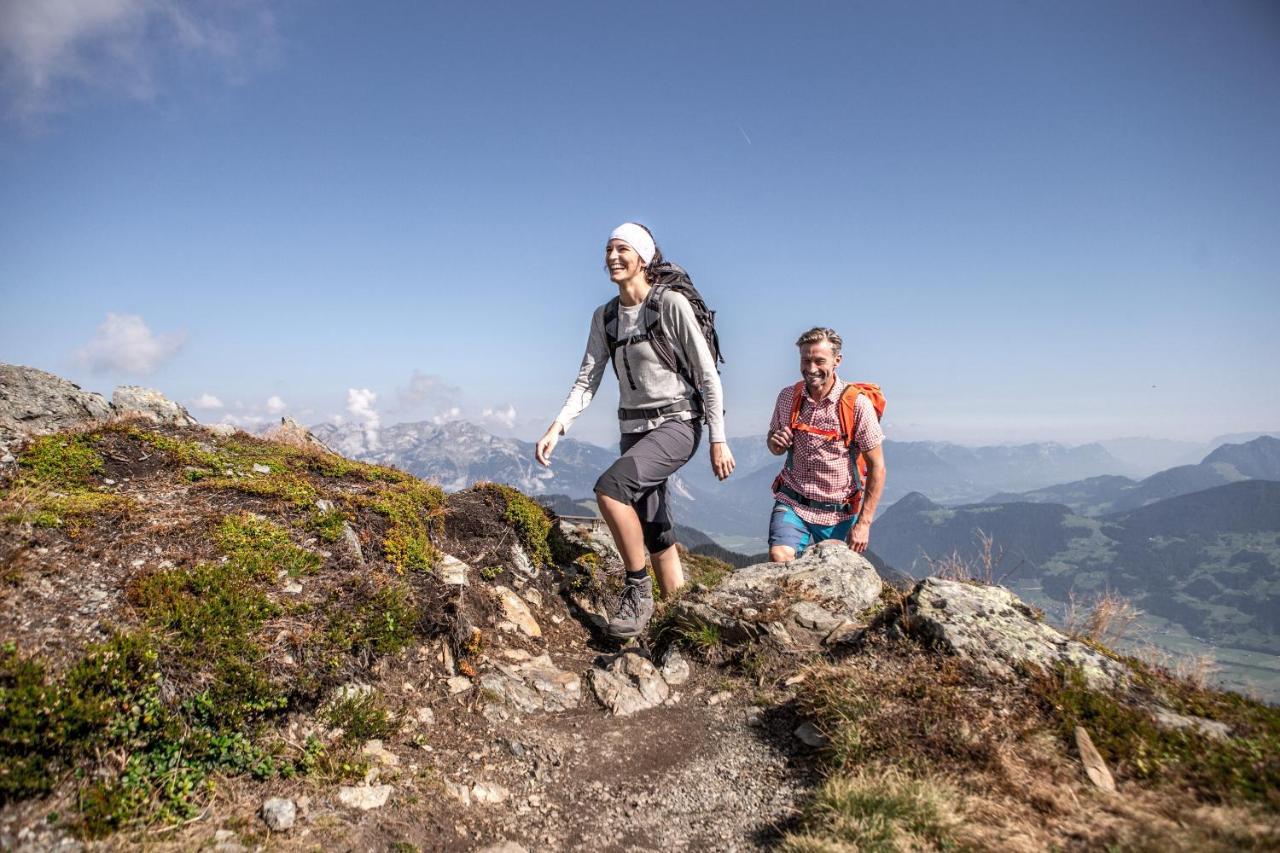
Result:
<point x="639" y="477"/>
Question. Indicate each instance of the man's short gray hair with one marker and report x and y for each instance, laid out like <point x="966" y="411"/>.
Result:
<point x="818" y="334"/>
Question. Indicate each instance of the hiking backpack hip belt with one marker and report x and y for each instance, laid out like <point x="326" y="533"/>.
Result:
<point x="780" y="487"/>
<point x="675" y="408"/>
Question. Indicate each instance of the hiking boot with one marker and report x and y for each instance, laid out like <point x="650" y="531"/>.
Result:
<point x="635" y="608"/>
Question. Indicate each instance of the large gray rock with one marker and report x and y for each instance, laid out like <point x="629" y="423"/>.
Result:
<point x="800" y="603"/>
<point x="629" y="684"/>
<point x="136" y="401"/>
<point x="33" y="402"/>
<point x="533" y="685"/>
<point x="994" y="629"/>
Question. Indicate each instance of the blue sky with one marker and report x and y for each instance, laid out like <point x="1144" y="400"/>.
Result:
<point x="1030" y="221"/>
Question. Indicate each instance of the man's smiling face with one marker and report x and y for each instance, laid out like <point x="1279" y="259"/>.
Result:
<point x="818" y="363"/>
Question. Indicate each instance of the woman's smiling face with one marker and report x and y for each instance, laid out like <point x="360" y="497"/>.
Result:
<point x="621" y="261"/>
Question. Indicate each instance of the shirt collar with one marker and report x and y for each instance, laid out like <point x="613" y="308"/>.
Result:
<point x="836" y="390"/>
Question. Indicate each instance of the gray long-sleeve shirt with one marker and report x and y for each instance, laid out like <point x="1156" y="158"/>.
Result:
<point x="656" y="385"/>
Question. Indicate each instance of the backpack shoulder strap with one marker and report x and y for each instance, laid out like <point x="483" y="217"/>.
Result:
<point x="610" y="320"/>
<point x="797" y="400"/>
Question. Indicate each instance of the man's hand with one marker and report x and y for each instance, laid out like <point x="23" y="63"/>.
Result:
<point x="859" y="536"/>
<point x="722" y="463"/>
<point x="546" y="444"/>
<point x="780" y="440"/>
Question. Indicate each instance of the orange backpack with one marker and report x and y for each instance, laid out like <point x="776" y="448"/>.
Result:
<point x="848" y="414"/>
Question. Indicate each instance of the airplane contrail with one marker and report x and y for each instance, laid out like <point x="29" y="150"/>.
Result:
<point x="744" y="134"/>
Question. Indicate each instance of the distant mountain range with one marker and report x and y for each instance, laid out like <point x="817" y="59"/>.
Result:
<point x="1209" y="560"/>
<point x="458" y="454"/>
<point x="1230" y="463"/>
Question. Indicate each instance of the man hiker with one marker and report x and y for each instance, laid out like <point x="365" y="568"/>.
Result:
<point x="829" y="429"/>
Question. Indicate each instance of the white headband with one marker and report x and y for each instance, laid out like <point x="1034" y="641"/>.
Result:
<point x="637" y="238"/>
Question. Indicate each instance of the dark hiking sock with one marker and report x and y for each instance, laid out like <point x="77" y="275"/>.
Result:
<point x="639" y="576"/>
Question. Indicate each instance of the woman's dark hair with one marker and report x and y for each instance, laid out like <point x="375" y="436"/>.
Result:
<point x="657" y="250"/>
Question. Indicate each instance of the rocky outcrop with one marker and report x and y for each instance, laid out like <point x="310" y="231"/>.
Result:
<point x="532" y="685"/>
<point x="806" y="602"/>
<point x="994" y="629"/>
<point x="134" y="401"/>
<point x="294" y="434"/>
<point x="33" y="402"/>
<point x="629" y="684"/>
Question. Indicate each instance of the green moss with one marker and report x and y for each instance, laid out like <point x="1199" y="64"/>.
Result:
<point x="411" y="508"/>
<point x="54" y="488"/>
<point x="60" y="461"/>
<point x="707" y="571"/>
<point x="361" y="716"/>
<point x="286" y="486"/>
<point x="192" y="453"/>
<point x="327" y="524"/>
<point x="264" y="548"/>
<point x="530" y="520"/>
<point x="384" y="623"/>
<point x="338" y="467"/>
<point x="1245" y="766"/>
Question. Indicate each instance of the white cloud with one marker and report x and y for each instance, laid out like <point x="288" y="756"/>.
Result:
<point x="502" y="415"/>
<point x="207" y="401"/>
<point x="360" y="405"/>
<point x="124" y="344"/>
<point x="243" y="421"/>
<point x="51" y="48"/>
<point x="275" y="405"/>
<point x="450" y="414"/>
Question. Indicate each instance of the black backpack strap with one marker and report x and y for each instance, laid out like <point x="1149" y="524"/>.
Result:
<point x="661" y="341"/>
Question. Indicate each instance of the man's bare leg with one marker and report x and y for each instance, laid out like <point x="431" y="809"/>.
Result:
<point x="782" y="554"/>
<point x="669" y="569"/>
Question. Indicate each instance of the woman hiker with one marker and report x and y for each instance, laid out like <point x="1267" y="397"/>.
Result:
<point x="660" y="412"/>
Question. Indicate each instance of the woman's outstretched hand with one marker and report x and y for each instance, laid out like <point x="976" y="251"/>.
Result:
<point x="721" y="460"/>
<point x="546" y="444"/>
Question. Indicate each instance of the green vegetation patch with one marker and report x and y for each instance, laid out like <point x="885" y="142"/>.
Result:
<point x="1245" y="766"/>
<point x="530" y="520"/>
<point x="876" y="812"/>
<point x="264" y="548"/>
<point x="111" y="704"/>
<point x="327" y="524"/>
<point x="412" y="508"/>
<point x="704" y="570"/>
<point x="54" y="485"/>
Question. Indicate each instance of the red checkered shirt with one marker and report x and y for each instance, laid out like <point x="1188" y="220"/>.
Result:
<point x="820" y="469"/>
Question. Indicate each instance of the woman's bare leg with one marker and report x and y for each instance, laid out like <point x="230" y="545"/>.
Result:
<point x="624" y="524"/>
<point x="669" y="569"/>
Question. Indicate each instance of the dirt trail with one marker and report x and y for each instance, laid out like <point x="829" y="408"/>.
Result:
<point x="687" y="775"/>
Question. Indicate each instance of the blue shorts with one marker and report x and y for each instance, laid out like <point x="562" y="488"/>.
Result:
<point x="787" y="528"/>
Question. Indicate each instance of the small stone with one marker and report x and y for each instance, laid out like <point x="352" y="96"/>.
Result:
<point x="459" y="684"/>
<point x="533" y="597"/>
<point x="259" y="468"/>
<point x="364" y="797"/>
<point x="503" y="847"/>
<point x="1094" y="767"/>
<point x="425" y="717"/>
<point x="293" y="588"/>
<point x="375" y="749"/>
<point x="108" y="481"/>
<point x="324" y="505"/>
<point x="279" y="813"/>
<point x="675" y="669"/>
<point x="489" y="793"/>
<point x="517" y="612"/>
<point x="453" y="571"/>
<point x="808" y="734"/>
<point x="718" y="698"/>
<point x="793" y="680"/>
<point x="8" y="459"/>
<point x="459" y="792"/>
<point x="754" y="716"/>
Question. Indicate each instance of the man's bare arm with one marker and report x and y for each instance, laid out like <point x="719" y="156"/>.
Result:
<point x="860" y="534"/>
